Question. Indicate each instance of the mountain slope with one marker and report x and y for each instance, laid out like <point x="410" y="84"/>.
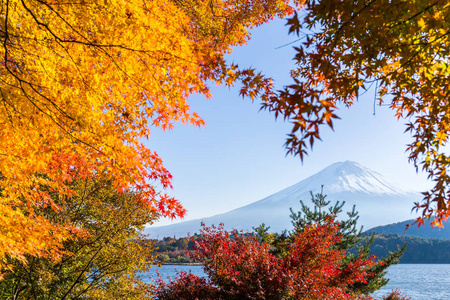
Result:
<point x="418" y="250"/>
<point x="378" y="202"/>
<point x="423" y="231"/>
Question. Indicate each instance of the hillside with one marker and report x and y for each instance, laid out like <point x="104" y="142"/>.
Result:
<point x="418" y="250"/>
<point x="423" y="231"/>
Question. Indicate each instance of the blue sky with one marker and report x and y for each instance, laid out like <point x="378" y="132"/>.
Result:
<point x="239" y="157"/>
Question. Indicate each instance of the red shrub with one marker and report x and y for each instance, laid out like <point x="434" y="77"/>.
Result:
<point x="238" y="266"/>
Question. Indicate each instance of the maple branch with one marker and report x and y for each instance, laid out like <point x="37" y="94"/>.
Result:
<point x="354" y="15"/>
<point x="5" y="42"/>
<point x="21" y="82"/>
<point x="63" y="19"/>
<point x="415" y="15"/>
<point x="81" y="273"/>
<point x="88" y="43"/>
<point x="32" y="86"/>
<point x="96" y="278"/>
<point x="18" y="288"/>
<point x="4" y="102"/>
<point x="56" y="122"/>
<point x="425" y="44"/>
<point x="6" y="32"/>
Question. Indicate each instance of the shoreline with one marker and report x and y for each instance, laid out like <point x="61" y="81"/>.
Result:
<point x="182" y="264"/>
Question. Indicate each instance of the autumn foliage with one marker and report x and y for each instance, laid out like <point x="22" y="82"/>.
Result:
<point x="399" y="48"/>
<point x="321" y="258"/>
<point x="104" y="264"/>
<point x="82" y="84"/>
<point x="239" y="266"/>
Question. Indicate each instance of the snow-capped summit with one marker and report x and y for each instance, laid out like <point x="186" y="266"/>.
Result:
<point x="377" y="200"/>
<point x="349" y="176"/>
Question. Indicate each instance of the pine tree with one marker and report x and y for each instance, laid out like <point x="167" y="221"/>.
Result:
<point x="353" y="240"/>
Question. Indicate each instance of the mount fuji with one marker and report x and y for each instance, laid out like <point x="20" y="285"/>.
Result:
<point x="378" y="201"/>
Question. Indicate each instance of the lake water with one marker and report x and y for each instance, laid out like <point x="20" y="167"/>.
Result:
<point x="418" y="281"/>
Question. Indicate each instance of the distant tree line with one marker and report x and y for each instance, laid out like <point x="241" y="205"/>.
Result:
<point x="172" y="250"/>
<point x="427" y="231"/>
<point x="419" y="250"/>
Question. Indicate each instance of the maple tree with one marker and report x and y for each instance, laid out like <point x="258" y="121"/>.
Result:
<point x="240" y="266"/>
<point x="401" y="48"/>
<point x="315" y="260"/>
<point x="82" y="83"/>
<point x="105" y="264"/>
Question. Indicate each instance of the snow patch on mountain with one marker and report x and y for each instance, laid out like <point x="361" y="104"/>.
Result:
<point x="349" y="176"/>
